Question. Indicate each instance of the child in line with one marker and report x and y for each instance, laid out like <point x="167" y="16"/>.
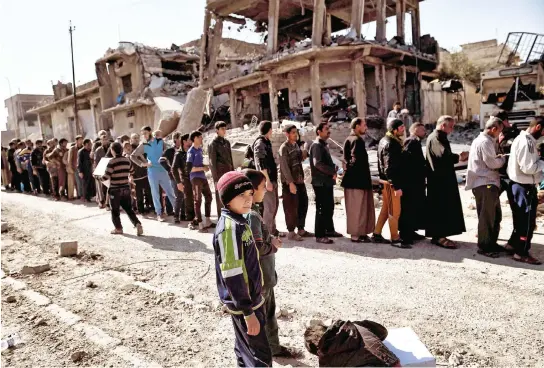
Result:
<point x="267" y="245"/>
<point x="238" y="272"/>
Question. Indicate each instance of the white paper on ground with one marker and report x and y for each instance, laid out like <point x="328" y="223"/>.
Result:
<point x="405" y="344"/>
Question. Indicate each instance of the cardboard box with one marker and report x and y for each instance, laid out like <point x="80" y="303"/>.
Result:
<point x="101" y="170"/>
<point x="405" y="344"/>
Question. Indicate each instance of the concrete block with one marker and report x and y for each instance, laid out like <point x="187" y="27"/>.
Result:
<point x="96" y="335"/>
<point x="34" y="269"/>
<point x="4" y="226"/>
<point x="37" y="298"/>
<point x="63" y="315"/>
<point x="68" y="249"/>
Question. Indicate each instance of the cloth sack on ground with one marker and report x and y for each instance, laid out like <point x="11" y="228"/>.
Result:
<point x="350" y="344"/>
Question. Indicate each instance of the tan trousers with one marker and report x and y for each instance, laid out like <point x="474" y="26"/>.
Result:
<point x="390" y="211"/>
<point x="71" y="185"/>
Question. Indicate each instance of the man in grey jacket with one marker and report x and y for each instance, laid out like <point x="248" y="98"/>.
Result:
<point x="525" y="170"/>
<point x="483" y="178"/>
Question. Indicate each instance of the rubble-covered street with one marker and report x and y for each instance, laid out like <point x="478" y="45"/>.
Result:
<point x="467" y="309"/>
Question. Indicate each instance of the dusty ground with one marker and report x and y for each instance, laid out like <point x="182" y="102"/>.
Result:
<point x="483" y="312"/>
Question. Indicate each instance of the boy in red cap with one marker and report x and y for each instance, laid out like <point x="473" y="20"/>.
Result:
<point x="238" y="271"/>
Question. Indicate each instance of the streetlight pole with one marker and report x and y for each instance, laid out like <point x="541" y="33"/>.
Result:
<point x="76" y="119"/>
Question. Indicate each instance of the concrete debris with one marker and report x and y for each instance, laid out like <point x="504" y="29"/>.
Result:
<point x="202" y="307"/>
<point x="455" y="359"/>
<point x="471" y="206"/>
<point x="11" y="299"/>
<point x="338" y="196"/>
<point x="78" y="356"/>
<point x="40" y="322"/>
<point x="91" y="285"/>
<point x="34" y="269"/>
<point x="4" y="226"/>
<point x="68" y="249"/>
<point x="278" y="312"/>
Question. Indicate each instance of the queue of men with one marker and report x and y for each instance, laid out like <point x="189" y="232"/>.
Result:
<point x="419" y="192"/>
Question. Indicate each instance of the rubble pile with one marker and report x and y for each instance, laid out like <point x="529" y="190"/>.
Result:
<point x="464" y="133"/>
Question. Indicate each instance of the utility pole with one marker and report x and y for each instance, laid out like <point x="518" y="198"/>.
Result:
<point x="76" y="119"/>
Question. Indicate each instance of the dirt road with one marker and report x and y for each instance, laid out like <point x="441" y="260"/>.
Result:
<point x="467" y="309"/>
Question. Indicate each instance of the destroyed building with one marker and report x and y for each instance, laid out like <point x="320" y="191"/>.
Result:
<point x="57" y="118"/>
<point x="140" y="85"/>
<point x="22" y="123"/>
<point x="311" y="73"/>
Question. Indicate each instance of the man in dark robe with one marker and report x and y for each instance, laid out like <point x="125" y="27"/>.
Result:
<point x="85" y="170"/>
<point x="414" y="198"/>
<point x="445" y="211"/>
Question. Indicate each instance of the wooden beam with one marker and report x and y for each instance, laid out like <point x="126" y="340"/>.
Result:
<point x="384" y="90"/>
<point x="362" y="53"/>
<point x="328" y="30"/>
<point x="204" y="46"/>
<point x="273" y="94"/>
<point x="401" y="81"/>
<point x="401" y="12"/>
<point x="315" y="87"/>
<point x="359" y="90"/>
<point x="317" y="27"/>
<point x="416" y="33"/>
<point x="357" y="10"/>
<point x="235" y="6"/>
<point x="291" y="66"/>
<point x="273" y="19"/>
<point x="380" y="89"/>
<point x="380" y="20"/>
<point x="233" y="102"/>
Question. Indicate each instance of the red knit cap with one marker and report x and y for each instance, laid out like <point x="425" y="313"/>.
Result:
<point x="232" y="184"/>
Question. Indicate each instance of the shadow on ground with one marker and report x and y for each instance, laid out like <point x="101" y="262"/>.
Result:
<point x="421" y="250"/>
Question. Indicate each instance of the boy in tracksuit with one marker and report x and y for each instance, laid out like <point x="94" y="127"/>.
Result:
<point x="238" y="272"/>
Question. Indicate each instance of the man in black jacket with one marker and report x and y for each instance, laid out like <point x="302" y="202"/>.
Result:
<point x="15" y="175"/>
<point x="38" y="168"/>
<point x="323" y="172"/>
<point x="183" y="182"/>
<point x="357" y="185"/>
<point x="220" y="155"/>
<point x="414" y="196"/>
<point x="390" y="170"/>
<point x="265" y="163"/>
<point x="85" y="170"/>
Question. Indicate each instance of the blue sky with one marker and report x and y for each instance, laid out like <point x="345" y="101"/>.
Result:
<point x="35" y="44"/>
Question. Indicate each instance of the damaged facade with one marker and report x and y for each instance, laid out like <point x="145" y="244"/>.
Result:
<point x="141" y="85"/>
<point x="56" y="116"/>
<point x="308" y="73"/>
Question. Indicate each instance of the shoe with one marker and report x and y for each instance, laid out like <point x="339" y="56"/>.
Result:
<point x="324" y="240"/>
<point x="139" y="230"/>
<point x="117" y="231"/>
<point x="526" y="259"/>
<point x="194" y="225"/>
<point x="364" y="239"/>
<point x="402" y="244"/>
<point x="294" y="236"/>
<point x="161" y="218"/>
<point x="305" y="234"/>
<point x="286" y="352"/>
<point x="356" y="239"/>
<point x="334" y="234"/>
<point x="378" y="238"/>
<point x="417" y="237"/>
<point x="177" y="221"/>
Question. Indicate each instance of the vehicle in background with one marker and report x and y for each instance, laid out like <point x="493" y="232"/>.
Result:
<point x="517" y="87"/>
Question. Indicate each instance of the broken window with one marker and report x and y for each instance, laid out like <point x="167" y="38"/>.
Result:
<point x="130" y="125"/>
<point x="130" y="113"/>
<point x="127" y="83"/>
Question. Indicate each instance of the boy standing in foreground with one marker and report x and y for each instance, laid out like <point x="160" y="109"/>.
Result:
<point x="238" y="272"/>
<point x="267" y="245"/>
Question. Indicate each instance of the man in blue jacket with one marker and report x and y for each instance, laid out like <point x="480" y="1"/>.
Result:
<point x="153" y="149"/>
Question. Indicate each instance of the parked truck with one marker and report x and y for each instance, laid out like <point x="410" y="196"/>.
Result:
<point x="517" y="86"/>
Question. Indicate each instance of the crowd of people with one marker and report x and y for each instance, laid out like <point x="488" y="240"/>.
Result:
<point x="419" y="192"/>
